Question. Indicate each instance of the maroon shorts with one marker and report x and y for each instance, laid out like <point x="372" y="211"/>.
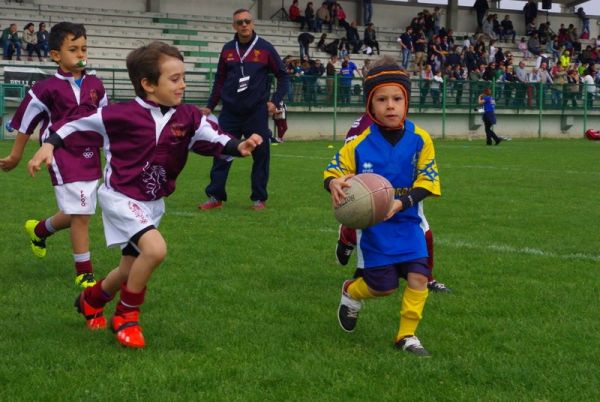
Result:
<point x="387" y="278"/>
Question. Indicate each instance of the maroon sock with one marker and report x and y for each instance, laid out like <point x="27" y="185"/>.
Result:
<point x="129" y="301"/>
<point x="95" y="296"/>
<point x="41" y="231"/>
<point x="429" y="241"/>
<point x="83" y="267"/>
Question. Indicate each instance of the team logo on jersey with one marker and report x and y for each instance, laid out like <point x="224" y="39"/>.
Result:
<point x="138" y="213"/>
<point x="153" y="176"/>
<point x="177" y="130"/>
<point x="94" y="97"/>
<point x="229" y="56"/>
<point x="367" y="167"/>
<point x="88" y="153"/>
<point x="257" y="55"/>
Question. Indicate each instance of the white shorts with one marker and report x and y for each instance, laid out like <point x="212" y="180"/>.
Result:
<point x="123" y="217"/>
<point x="78" y="198"/>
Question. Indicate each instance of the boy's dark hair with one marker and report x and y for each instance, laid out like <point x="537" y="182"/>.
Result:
<point x="143" y="62"/>
<point x="240" y="10"/>
<point x="60" y="31"/>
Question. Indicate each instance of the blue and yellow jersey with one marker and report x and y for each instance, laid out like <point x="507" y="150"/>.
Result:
<point x="409" y="163"/>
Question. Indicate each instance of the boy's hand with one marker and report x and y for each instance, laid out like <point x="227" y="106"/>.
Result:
<point x="246" y="147"/>
<point x="205" y="111"/>
<point x="394" y="209"/>
<point x="43" y="155"/>
<point x="336" y="187"/>
<point x="9" y="163"/>
<point x="271" y="108"/>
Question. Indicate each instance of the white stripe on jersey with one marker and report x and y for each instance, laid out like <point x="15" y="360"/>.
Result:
<point x="34" y="109"/>
<point x="207" y="133"/>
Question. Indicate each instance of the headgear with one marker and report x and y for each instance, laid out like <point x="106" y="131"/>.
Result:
<point x="388" y="74"/>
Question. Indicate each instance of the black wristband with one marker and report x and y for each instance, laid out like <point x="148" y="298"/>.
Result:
<point x="55" y="140"/>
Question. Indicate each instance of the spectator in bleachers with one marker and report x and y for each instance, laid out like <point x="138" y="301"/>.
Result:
<point x="565" y="59"/>
<point x="492" y="51"/>
<point x="590" y="86"/>
<point x="425" y="83"/>
<point x="488" y="72"/>
<point x="352" y="66"/>
<point x="531" y="28"/>
<point x="370" y="37"/>
<point x="585" y="23"/>
<point x="367" y="11"/>
<point x="480" y="7"/>
<point x="545" y="79"/>
<point x="30" y="41"/>
<point x="543" y="32"/>
<point x="457" y="78"/>
<point x="321" y="43"/>
<point x="533" y="78"/>
<point x="365" y="68"/>
<point x="454" y="57"/>
<point x="323" y="17"/>
<point x="499" y="58"/>
<point x="353" y="37"/>
<point x="575" y="42"/>
<point x="559" y="79"/>
<point x="523" y="48"/>
<point x="434" y="88"/>
<point x="295" y="16"/>
<point x="420" y="46"/>
<point x="521" y="80"/>
<point x="332" y="48"/>
<point x="533" y="45"/>
<point x="474" y="85"/>
<point x="339" y="16"/>
<point x="11" y="43"/>
<point x="587" y="56"/>
<point x="330" y="71"/>
<point x="507" y="79"/>
<point x="42" y="38"/>
<point x="507" y="29"/>
<point x="309" y="16"/>
<point x="470" y="58"/>
<point x="553" y="49"/>
<point x="313" y="70"/>
<point x="343" y="48"/>
<point x="530" y="10"/>
<point x="406" y="46"/>
<point x="304" y="40"/>
<point x="436" y="17"/>
<point x="241" y="84"/>
<point x="572" y="88"/>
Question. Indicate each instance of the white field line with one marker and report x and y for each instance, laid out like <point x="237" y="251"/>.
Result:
<point x="503" y="248"/>
<point x="454" y="166"/>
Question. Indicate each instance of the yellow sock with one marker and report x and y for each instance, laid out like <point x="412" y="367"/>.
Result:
<point x="359" y="290"/>
<point x="413" y="302"/>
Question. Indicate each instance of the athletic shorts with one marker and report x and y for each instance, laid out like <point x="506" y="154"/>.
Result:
<point x="123" y="217"/>
<point x="388" y="278"/>
<point x="77" y="198"/>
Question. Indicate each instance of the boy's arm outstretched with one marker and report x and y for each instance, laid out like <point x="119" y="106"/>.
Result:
<point x="12" y="161"/>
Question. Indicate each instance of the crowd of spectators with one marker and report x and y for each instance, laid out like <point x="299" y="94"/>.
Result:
<point x="30" y="40"/>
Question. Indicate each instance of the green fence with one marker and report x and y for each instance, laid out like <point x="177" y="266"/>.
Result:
<point x="335" y="94"/>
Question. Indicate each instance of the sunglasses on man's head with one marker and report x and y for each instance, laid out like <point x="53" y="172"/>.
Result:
<point x="242" y="22"/>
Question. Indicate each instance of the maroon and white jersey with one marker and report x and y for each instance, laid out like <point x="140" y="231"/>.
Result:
<point x="56" y="99"/>
<point x="145" y="149"/>
<point x="359" y="126"/>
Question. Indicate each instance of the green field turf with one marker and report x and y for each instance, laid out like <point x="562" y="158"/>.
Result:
<point x="244" y="307"/>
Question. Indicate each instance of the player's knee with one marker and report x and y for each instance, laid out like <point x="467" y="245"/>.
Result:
<point x="158" y="252"/>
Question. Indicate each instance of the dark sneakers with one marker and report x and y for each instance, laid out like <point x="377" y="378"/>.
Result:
<point x="412" y="344"/>
<point x="437" y="287"/>
<point x="348" y="309"/>
<point x="343" y="252"/>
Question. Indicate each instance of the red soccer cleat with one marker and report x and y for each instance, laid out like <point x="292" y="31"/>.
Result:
<point x="258" y="205"/>
<point x="211" y="203"/>
<point x="128" y="330"/>
<point x="94" y="317"/>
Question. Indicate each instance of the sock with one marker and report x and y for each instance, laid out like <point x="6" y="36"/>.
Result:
<point x="347" y="236"/>
<point x="413" y="302"/>
<point x="44" y="228"/>
<point x="429" y="241"/>
<point x="96" y="296"/>
<point x="83" y="264"/>
<point x="359" y="290"/>
<point x="129" y="301"/>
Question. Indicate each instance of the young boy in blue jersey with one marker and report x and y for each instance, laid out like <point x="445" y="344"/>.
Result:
<point x="397" y="149"/>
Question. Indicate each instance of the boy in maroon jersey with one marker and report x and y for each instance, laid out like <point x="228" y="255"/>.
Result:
<point x="71" y="92"/>
<point x="146" y="143"/>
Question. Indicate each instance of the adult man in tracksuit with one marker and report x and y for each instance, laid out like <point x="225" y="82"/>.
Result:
<point x="242" y="82"/>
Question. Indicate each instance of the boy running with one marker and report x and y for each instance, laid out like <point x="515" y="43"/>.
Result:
<point x="146" y="143"/>
<point x="75" y="171"/>
<point x="403" y="153"/>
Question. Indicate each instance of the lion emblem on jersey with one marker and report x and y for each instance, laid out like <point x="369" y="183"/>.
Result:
<point x="94" y="97"/>
<point x="153" y="176"/>
<point x="177" y="130"/>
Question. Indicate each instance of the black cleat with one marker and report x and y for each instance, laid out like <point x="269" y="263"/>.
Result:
<point x="412" y="344"/>
<point x="348" y="309"/>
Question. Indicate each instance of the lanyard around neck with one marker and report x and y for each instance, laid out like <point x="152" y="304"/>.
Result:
<point x="237" y="49"/>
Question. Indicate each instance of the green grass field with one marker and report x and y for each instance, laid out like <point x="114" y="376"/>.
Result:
<point x="244" y="307"/>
